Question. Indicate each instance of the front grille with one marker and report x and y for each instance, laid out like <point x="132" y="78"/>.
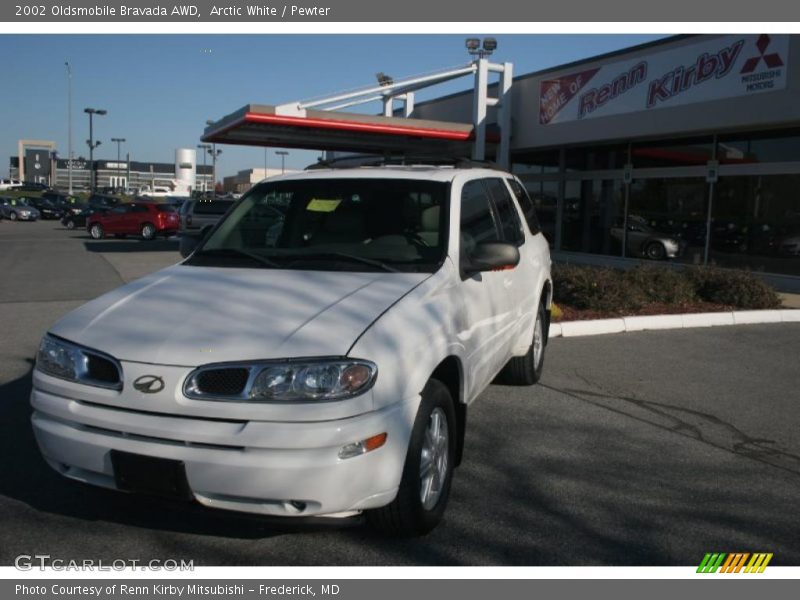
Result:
<point x="222" y="381"/>
<point x="101" y="369"/>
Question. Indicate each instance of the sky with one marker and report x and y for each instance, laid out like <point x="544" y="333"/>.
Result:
<point x="159" y="90"/>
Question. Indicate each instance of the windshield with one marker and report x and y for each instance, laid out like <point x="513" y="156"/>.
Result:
<point x="334" y="224"/>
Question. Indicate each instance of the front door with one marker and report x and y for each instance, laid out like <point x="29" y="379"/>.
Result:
<point x="487" y="317"/>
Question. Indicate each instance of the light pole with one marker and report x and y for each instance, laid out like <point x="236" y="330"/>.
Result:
<point x="283" y="154"/>
<point x="119" y="141"/>
<point x="69" y="126"/>
<point x="214" y="154"/>
<point x="91" y="143"/>
<point x="204" y="148"/>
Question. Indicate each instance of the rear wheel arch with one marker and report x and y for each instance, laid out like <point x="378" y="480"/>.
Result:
<point x="546" y="300"/>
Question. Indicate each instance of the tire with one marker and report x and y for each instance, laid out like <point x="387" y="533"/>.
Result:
<point x="13" y="216"/>
<point x="70" y="225"/>
<point x="527" y="369"/>
<point x="655" y="251"/>
<point x="96" y="231"/>
<point x="148" y="231"/>
<point x="420" y="503"/>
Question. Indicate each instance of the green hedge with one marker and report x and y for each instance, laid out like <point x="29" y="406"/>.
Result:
<point x="610" y="290"/>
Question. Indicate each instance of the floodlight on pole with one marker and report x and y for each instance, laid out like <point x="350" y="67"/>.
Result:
<point x="69" y="124"/>
<point x="214" y="154"/>
<point x="479" y="48"/>
<point x="384" y="79"/>
<point x="283" y="154"/>
<point x="91" y="143"/>
<point x="119" y="142"/>
<point x="204" y="149"/>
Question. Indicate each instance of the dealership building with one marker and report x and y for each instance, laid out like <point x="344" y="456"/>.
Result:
<point x="42" y="164"/>
<point x="686" y="149"/>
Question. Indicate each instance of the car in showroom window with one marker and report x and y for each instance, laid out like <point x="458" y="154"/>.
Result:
<point x="314" y="355"/>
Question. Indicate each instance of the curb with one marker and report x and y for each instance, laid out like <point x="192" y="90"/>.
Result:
<point x="687" y="321"/>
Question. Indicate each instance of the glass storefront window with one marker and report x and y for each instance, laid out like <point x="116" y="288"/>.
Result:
<point x="673" y="153"/>
<point x="545" y="201"/>
<point x="596" y="158"/>
<point x="756" y="223"/>
<point x="759" y="148"/>
<point x="667" y="219"/>
<point x="592" y="216"/>
<point x="535" y="163"/>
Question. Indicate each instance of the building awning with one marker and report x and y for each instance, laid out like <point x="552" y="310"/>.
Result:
<point x="261" y="125"/>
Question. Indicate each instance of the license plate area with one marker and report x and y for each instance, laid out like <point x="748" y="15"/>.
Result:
<point x="150" y="475"/>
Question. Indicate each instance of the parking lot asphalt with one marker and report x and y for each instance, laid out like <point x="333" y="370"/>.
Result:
<point x="644" y="448"/>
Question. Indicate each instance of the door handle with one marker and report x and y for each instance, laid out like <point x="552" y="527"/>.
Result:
<point x="507" y="283"/>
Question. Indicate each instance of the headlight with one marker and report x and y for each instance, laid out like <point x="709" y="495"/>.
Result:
<point x="69" y="361"/>
<point x="316" y="380"/>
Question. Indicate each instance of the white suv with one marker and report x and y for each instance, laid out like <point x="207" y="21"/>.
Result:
<point x="315" y="355"/>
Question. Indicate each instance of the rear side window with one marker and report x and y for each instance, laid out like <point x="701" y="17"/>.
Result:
<point x="213" y="207"/>
<point x="506" y="212"/>
<point x="526" y="204"/>
<point x="477" y="217"/>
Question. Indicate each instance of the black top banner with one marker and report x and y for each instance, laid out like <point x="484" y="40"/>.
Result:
<point x="408" y="10"/>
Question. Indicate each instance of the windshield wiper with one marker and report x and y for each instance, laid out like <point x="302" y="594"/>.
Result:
<point x="351" y="257"/>
<point x="237" y="252"/>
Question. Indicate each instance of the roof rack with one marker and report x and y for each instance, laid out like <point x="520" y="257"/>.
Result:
<point x="375" y="160"/>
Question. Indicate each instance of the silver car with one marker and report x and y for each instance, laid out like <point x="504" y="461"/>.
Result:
<point x="642" y="240"/>
<point x="198" y="217"/>
<point x="18" y="209"/>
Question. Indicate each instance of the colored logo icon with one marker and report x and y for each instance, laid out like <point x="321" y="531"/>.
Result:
<point x="734" y="562"/>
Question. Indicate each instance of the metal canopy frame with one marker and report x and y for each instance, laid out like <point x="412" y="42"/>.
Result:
<point x="310" y="114"/>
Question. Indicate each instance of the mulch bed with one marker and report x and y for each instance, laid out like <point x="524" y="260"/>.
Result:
<point x="656" y="308"/>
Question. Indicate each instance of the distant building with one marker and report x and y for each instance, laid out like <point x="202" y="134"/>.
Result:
<point x="244" y="180"/>
<point x="184" y="175"/>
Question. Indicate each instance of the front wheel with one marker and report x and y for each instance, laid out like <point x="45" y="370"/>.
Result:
<point x="96" y="231"/>
<point x="428" y="471"/>
<point x="148" y="231"/>
<point x="70" y="224"/>
<point x="655" y="251"/>
<point x="13" y="216"/>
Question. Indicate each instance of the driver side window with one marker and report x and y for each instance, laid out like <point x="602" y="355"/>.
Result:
<point x="478" y="222"/>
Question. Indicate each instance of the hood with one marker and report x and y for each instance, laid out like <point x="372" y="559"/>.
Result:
<point x="186" y="315"/>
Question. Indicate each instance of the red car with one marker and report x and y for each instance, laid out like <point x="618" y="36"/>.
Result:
<point x="147" y="219"/>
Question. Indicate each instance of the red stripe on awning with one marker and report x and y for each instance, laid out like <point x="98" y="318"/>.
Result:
<point x="340" y="125"/>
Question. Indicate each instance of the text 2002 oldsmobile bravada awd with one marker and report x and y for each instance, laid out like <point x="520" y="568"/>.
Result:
<point x="315" y="355"/>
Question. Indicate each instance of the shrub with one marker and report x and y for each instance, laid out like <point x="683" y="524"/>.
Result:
<point x="663" y="285"/>
<point x="594" y="288"/>
<point x="607" y="290"/>
<point x="732" y="287"/>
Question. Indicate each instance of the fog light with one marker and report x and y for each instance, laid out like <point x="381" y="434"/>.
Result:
<point x="362" y="447"/>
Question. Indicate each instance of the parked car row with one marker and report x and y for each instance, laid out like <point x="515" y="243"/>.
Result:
<point x="18" y="209"/>
<point x="143" y="218"/>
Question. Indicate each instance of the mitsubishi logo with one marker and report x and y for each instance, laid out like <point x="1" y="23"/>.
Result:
<point x="149" y="384"/>
<point x="772" y="60"/>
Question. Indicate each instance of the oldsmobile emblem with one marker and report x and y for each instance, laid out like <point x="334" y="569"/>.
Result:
<point x="149" y="384"/>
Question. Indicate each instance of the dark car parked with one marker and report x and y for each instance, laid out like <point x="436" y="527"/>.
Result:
<point x="46" y="208"/>
<point x="103" y="200"/>
<point x="33" y="186"/>
<point x="72" y="220"/>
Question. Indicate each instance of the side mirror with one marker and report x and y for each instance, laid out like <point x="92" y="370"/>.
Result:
<point x="188" y="242"/>
<point x="491" y="256"/>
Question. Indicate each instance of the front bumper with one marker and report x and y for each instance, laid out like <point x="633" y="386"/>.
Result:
<point x="262" y="467"/>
